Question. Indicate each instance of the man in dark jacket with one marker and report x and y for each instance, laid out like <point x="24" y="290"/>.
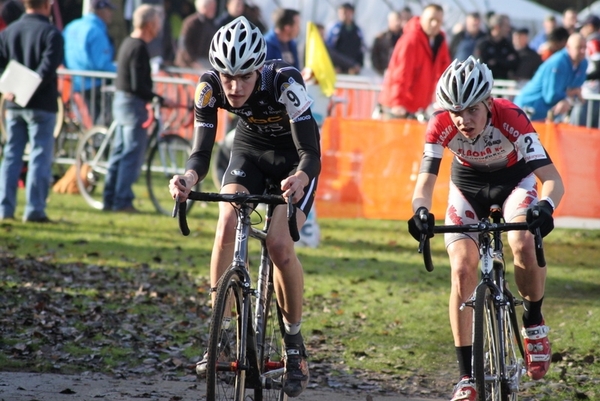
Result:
<point x="347" y="38"/>
<point x="496" y="49"/>
<point x="33" y="41"/>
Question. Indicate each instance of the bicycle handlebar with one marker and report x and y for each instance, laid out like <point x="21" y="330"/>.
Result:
<point x="482" y="226"/>
<point x="240" y="198"/>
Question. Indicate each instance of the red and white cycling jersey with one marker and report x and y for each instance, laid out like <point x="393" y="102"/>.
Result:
<point x="508" y="138"/>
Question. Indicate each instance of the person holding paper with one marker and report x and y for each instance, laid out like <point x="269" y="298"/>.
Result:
<point x="36" y="43"/>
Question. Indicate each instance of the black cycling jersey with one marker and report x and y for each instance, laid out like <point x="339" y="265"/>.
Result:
<point x="276" y="116"/>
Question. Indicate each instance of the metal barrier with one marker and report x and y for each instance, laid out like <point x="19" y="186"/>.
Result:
<point x="80" y="110"/>
<point x="356" y="98"/>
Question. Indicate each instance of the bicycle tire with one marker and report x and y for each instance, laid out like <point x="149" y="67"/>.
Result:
<point x="167" y="157"/>
<point x="272" y="350"/>
<point x="224" y="380"/>
<point x="91" y="164"/>
<point x="486" y="358"/>
<point x="514" y="352"/>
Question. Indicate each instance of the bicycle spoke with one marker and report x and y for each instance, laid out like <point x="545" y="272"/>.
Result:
<point x="486" y="363"/>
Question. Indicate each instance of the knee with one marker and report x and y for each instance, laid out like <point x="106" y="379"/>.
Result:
<point x="281" y="251"/>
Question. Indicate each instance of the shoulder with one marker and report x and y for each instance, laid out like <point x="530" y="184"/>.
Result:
<point x="510" y="119"/>
<point x="208" y="91"/>
<point x="440" y="128"/>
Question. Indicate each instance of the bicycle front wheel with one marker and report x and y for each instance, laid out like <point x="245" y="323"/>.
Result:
<point x="167" y="158"/>
<point x="225" y="371"/>
<point x="486" y="353"/>
<point x="271" y="352"/>
<point x="513" y="351"/>
<point x="91" y="165"/>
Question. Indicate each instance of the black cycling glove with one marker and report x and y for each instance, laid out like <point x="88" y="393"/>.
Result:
<point x="544" y="220"/>
<point x="417" y="227"/>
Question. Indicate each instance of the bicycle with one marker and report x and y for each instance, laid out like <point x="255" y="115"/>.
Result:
<point x="166" y="155"/>
<point x="245" y="349"/>
<point x="498" y="351"/>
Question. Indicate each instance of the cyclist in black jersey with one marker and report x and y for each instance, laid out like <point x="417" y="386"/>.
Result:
<point x="276" y="138"/>
<point x="498" y="160"/>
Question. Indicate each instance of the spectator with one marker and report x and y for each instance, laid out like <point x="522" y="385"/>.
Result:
<point x="579" y="115"/>
<point x="253" y="13"/>
<point x="196" y="34"/>
<point x="347" y="38"/>
<point x="463" y="43"/>
<point x="557" y="40"/>
<point x="542" y="36"/>
<point x="557" y="83"/>
<point x="10" y="11"/>
<point x="133" y="92"/>
<point x="35" y="42"/>
<point x="420" y="57"/>
<point x="281" y="39"/>
<point x="383" y="44"/>
<point x="234" y="9"/>
<point x="496" y="50"/>
<point x="569" y="21"/>
<point x="89" y="48"/>
<point x="336" y="57"/>
<point x="529" y="60"/>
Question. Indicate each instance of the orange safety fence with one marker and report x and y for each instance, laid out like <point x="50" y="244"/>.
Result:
<point x="369" y="168"/>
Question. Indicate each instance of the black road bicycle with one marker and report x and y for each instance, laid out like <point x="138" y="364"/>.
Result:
<point x="245" y="346"/>
<point x="498" y="352"/>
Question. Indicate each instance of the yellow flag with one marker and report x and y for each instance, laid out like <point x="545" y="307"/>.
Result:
<point x="318" y="60"/>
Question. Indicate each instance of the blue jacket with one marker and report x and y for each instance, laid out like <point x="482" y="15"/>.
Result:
<point x="274" y="48"/>
<point x="88" y="48"/>
<point x="550" y="83"/>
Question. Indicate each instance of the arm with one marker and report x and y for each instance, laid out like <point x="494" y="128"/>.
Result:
<point x="552" y="184"/>
<point x="423" y="193"/>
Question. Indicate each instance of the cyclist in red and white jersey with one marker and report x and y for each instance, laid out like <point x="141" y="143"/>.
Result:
<point x="497" y="158"/>
<point x="277" y="138"/>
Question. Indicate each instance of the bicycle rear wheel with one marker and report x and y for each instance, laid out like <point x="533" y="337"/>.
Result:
<point x="486" y="353"/>
<point x="225" y="380"/>
<point x="91" y="164"/>
<point x="271" y="352"/>
<point x="167" y="157"/>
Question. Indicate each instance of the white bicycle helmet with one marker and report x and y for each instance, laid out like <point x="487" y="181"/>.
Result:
<point x="237" y="48"/>
<point x="463" y="84"/>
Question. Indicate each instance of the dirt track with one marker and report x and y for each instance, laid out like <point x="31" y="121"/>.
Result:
<point x="17" y="386"/>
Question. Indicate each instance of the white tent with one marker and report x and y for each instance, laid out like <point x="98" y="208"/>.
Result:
<point x="371" y="15"/>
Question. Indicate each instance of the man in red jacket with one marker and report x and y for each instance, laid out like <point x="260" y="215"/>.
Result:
<point x="420" y="57"/>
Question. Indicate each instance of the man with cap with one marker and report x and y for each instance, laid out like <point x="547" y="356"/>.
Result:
<point x="89" y="48"/>
<point x="579" y="114"/>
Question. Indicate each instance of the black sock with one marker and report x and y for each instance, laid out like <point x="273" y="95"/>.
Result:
<point x="292" y="340"/>
<point x="532" y="312"/>
<point x="463" y="357"/>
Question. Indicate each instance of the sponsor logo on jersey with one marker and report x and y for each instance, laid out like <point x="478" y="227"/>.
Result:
<point x="205" y="125"/>
<point x="238" y="173"/>
<point x="268" y="120"/>
<point x="204" y="95"/>
<point x="511" y="130"/>
<point x="302" y="118"/>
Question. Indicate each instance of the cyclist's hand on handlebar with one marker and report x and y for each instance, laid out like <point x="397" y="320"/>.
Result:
<point x="417" y="227"/>
<point x="180" y="186"/>
<point x="292" y="186"/>
<point x="540" y="216"/>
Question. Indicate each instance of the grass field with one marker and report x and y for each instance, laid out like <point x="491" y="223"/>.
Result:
<point x="370" y="304"/>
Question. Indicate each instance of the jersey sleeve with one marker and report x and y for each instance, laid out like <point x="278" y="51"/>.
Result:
<point x="291" y="92"/>
<point x="434" y="145"/>
<point x="205" y="124"/>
